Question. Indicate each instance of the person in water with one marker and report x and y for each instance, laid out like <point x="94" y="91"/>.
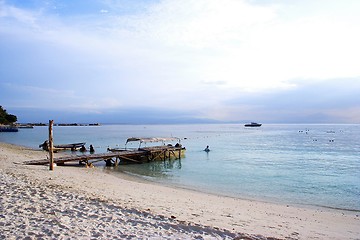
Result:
<point x="207" y="149"/>
<point x="92" y="150"/>
<point x="83" y="149"/>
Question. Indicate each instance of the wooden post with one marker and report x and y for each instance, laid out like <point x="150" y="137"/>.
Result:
<point x="51" y="145"/>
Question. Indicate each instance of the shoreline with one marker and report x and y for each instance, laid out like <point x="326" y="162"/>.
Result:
<point x="136" y="178"/>
<point x="139" y="178"/>
<point x="216" y="215"/>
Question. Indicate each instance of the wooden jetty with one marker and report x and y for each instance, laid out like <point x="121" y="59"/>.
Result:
<point x="141" y="155"/>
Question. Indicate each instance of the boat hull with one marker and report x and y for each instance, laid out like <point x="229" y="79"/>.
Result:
<point x="150" y="154"/>
<point x="70" y="146"/>
<point x="253" y="125"/>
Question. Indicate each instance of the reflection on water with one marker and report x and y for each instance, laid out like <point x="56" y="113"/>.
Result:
<point x="156" y="169"/>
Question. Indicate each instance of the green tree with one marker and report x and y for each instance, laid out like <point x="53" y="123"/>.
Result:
<point x="11" y="118"/>
<point x="6" y="118"/>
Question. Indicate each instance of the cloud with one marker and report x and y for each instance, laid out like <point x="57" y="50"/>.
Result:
<point x="200" y="55"/>
<point x="213" y="41"/>
<point x="250" y="47"/>
<point x="22" y="16"/>
<point x="312" y="102"/>
<point x="50" y="98"/>
<point x="200" y="24"/>
<point x="116" y="115"/>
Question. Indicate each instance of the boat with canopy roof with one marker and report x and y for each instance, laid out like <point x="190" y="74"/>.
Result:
<point x="164" y="150"/>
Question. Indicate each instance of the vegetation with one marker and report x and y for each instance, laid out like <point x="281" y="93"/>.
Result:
<point x="6" y="118"/>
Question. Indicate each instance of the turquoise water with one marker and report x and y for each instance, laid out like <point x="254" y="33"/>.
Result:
<point x="317" y="165"/>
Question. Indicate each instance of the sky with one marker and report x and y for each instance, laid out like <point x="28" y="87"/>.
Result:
<point x="156" y="61"/>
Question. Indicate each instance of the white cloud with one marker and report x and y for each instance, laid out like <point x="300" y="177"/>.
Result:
<point x="201" y="24"/>
<point x="249" y="47"/>
<point x="22" y="16"/>
<point x="200" y="51"/>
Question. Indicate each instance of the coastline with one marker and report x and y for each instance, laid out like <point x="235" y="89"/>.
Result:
<point x="145" y="207"/>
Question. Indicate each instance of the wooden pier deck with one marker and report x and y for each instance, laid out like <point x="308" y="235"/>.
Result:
<point x="135" y="156"/>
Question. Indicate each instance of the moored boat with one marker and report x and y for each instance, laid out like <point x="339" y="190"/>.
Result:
<point x="69" y="146"/>
<point x="154" y="152"/>
<point x="25" y="126"/>
<point x="253" y="124"/>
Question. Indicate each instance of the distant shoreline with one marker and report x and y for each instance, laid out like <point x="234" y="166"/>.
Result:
<point x="58" y="124"/>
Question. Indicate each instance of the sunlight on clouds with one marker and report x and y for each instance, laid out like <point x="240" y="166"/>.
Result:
<point x="316" y="48"/>
<point x="213" y="36"/>
<point x="241" y="45"/>
<point x="250" y="47"/>
<point x="202" y="23"/>
<point x="206" y="52"/>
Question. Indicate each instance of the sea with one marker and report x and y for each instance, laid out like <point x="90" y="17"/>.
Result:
<point x="317" y="165"/>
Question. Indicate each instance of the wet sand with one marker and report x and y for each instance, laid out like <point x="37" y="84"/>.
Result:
<point x="79" y="202"/>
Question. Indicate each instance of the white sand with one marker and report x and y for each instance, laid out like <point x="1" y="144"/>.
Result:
<point x="77" y="202"/>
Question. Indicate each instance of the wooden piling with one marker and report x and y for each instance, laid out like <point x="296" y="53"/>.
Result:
<point x="51" y="145"/>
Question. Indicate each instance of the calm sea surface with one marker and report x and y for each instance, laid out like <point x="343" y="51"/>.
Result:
<point x="316" y="165"/>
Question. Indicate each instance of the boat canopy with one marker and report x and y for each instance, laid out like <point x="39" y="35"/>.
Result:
<point x="154" y="139"/>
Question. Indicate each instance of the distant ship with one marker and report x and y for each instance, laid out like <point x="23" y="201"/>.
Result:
<point x="253" y="124"/>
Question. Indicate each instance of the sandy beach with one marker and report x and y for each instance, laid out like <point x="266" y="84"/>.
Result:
<point x="89" y="203"/>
